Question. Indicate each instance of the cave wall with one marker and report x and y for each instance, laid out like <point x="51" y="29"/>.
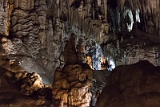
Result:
<point x="31" y="40"/>
<point x="147" y="11"/>
<point x="126" y="55"/>
<point x="135" y="25"/>
<point x="34" y="32"/>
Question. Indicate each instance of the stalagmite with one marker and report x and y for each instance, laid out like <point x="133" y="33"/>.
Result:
<point x="72" y="89"/>
<point x="37" y="33"/>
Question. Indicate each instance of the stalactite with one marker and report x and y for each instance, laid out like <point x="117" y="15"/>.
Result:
<point x="105" y="9"/>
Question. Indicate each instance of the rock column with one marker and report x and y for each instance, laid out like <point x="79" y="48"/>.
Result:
<point x="72" y="85"/>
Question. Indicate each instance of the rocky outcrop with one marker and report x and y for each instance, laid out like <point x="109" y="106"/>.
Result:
<point x="10" y="94"/>
<point x="29" y="82"/>
<point x="72" y="86"/>
<point x="133" y="85"/>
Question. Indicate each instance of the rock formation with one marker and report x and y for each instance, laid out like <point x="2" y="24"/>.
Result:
<point x="38" y="29"/>
<point x="10" y="94"/>
<point x="6" y="7"/>
<point x="81" y="51"/>
<point x="70" y="53"/>
<point x="72" y="86"/>
<point x="129" y="50"/>
<point x="37" y="35"/>
<point x="133" y="85"/>
<point x="29" y="83"/>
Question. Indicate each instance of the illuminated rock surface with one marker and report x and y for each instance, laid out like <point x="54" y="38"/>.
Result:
<point x="134" y="85"/>
<point x="34" y="35"/>
<point x="11" y="96"/>
<point x="71" y="86"/>
<point x="38" y="29"/>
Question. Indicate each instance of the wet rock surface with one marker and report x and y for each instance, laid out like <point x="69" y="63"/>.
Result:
<point x="135" y="85"/>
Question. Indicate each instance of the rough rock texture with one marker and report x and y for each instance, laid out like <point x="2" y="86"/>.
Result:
<point x="70" y="53"/>
<point x="132" y="48"/>
<point x="135" y="85"/>
<point x="6" y="7"/>
<point x="31" y="42"/>
<point x="10" y="96"/>
<point x="99" y="81"/>
<point x="139" y="14"/>
<point x="35" y="33"/>
<point x="72" y="86"/>
<point x="10" y="64"/>
<point x="29" y="83"/>
<point x="39" y="29"/>
<point x="81" y="51"/>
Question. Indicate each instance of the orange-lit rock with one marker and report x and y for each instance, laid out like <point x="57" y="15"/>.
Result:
<point x="72" y="88"/>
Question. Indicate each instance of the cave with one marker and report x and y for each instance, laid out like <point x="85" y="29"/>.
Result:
<point x="79" y="53"/>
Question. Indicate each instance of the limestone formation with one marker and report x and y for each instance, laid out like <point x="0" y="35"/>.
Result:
<point x="133" y="85"/>
<point x="24" y="4"/>
<point x="70" y="54"/>
<point x="29" y="82"/>
<point x="134" y="49"/>
<point x="5" y="12"/>
<point x="80" y="51"/>
<point x="39" y="29"/>
<point x="10" y="94"/>
<point x="138" y="11"/>
<point x="72" y="86"/>
<point x="41" y="35"/>
<point x="29" y="37"/>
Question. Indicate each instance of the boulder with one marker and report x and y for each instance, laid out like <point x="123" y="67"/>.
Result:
<point x="136" y="85"/>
